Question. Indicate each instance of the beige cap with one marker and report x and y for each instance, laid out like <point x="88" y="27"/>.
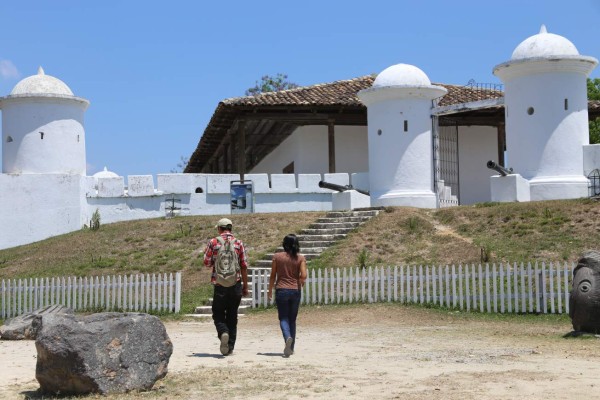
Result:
<point x="223" y="222"/>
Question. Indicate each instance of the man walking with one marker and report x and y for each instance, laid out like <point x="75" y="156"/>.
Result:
<point x="226" y="257"/>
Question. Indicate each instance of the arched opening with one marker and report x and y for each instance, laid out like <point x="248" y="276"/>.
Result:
<point x="199" y="190"/>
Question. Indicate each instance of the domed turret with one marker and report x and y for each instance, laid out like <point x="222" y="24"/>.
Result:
<point x="42" y="128"/>
<point x="400" y="141"/>
<point x="546" y="114"/>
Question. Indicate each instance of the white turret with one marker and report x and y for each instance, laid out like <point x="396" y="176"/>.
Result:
<point x="42" y="128"/>
<point x="546" y="114"/>
<point x="400" y="140"/>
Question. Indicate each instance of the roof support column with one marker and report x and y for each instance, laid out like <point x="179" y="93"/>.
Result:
<point x="241" y="145"/>
<point x="226" y="158"/>
<point x="331" y="144"/>
<point x="501" y="142"/>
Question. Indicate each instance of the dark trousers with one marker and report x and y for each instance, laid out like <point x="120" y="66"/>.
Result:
<point x="226" y="301"/>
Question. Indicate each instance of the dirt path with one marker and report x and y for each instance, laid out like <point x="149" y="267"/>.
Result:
<point x="376" y="351"/>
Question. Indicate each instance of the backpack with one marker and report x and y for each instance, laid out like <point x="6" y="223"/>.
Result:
<point x="227" y="264"/>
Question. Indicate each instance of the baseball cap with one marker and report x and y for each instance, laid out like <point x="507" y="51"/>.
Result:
<point x="223" y="222"/>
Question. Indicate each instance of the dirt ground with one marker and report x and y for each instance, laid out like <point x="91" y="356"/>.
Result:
<point x="366" y="351"/>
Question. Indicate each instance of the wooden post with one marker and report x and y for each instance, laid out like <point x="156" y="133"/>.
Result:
<point x="241" y="149"/>
<point x="331" y="145"/>
<point x="501" y="142"/>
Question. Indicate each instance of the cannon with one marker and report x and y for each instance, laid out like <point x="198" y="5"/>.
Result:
<point x="340" y="188"/>
<point x="499" y="168"/>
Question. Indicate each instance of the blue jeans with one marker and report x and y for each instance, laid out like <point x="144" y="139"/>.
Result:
<point x="288" y="302"/>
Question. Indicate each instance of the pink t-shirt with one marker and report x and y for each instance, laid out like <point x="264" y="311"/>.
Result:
<point x="288" y="270"/>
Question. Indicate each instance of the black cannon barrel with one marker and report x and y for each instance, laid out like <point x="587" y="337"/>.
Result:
<point x="499" y="168"/>
<point x="341" y="188"/>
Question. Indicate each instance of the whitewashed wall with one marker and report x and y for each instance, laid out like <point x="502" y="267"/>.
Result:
<point x="62" y="148"/>
<point x="37" y="206"/>
<point x="476" y="146"/>
<point x="307" y="147"/>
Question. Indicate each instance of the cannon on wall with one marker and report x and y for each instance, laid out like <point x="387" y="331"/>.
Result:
<point x="499" y="168"/>
<point x="340" y="188"/>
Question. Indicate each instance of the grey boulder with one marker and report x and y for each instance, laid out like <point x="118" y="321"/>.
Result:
<point x="100" y="353"/>
<point x="19" y="327"/>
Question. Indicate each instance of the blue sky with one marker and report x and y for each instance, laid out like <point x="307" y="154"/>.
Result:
<point x="154" y="71"/>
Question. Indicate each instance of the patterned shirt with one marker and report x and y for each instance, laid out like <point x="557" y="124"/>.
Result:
<point x="212" y="249"/>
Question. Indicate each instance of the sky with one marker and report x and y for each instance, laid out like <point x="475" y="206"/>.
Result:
<point x="155" y="71"/>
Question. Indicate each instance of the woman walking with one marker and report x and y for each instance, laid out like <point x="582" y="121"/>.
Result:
<point x="288" y="274"/>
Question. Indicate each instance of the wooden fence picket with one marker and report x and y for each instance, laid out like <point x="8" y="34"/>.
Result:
<point x="134" y="292"/>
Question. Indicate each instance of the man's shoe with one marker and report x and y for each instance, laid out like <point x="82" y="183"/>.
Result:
<point x="224" y="343"/>
<point x="288" y="347"/>
<point x="230" y="352"/>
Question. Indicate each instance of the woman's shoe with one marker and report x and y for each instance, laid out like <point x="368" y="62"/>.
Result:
<point x="288" y="347"/>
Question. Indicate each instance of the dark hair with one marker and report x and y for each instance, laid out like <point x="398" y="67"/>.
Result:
<point x="291" y="245"/>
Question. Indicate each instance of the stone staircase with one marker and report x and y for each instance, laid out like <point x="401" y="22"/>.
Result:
<point x="313" y="240"/>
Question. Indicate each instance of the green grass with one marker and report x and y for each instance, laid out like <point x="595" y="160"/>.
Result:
<point x="500" y="232"/>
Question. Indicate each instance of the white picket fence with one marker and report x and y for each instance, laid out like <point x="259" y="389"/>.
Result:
<point x="504" y="288"/>
<point x="136" y="292"/>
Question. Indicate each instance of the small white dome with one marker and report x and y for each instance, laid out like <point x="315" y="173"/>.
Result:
<point x="544" y="44"/>
<point x="41" y="84"/>
<point x="105" y="174"/>
<point x="402" y="75"/>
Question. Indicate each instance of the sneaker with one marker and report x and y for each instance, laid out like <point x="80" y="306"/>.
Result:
<point x="288" y="347"/>
<point x="224" y="343"/>
<point x="230" y="352"/>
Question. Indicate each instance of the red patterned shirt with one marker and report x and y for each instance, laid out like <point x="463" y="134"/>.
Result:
<point x="212" y="249"/>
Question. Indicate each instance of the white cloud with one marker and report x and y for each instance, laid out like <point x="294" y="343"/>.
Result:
<point x="8" y="70"/>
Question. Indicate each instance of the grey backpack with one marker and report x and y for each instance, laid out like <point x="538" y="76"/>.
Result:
<point x="227" y="264"/>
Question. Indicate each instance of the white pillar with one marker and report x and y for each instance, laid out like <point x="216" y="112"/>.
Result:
<point x="400" y="137"/>
<point x="546" y="115"/>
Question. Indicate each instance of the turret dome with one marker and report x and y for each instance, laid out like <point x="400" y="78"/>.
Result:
<point x="402" y="75"/>
<point x="41" y="84"/>
<point x="544" y="44"/>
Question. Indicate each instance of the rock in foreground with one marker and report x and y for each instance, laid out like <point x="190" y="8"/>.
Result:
<point x="100" y="353"/>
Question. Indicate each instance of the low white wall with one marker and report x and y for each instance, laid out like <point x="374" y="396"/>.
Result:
<point x="38" y="206"/>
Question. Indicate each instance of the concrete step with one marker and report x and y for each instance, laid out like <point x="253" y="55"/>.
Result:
<point x="305" y="244"/>
<point x="308" y="249"/>
<point x="208" y="309"/>
<point x="343" y="219"/>
<point x="355" y="213"/>
<point x="246" y="301"/>
<point x="334" y="225"/>
<point x="333" y="231"/>
<point x="321" y="237"/>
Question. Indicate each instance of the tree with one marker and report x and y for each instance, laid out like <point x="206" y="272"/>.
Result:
<point x="271" y="84"/>
<point x="183" y="162"/>
<point x="593" y="89"/>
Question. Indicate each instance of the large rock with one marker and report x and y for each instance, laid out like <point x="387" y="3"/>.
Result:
<point x="19" y="327"/>
<point x="584" y="300"/>
<point x="100" y="353"/>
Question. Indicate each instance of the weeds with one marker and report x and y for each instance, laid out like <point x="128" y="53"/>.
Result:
<point x="95" y="220"/>
<point x="362" y="258"/>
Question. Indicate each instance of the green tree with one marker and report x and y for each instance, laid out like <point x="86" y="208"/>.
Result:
<point x="593" y="89"/>
<point x="183" y="162"/>
<point x="271" y="84"/>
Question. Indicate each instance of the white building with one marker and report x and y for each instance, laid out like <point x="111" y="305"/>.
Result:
<point x="418" y="144"/>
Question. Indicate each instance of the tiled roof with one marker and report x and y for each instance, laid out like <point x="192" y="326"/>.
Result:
<point x="340" y="93"/>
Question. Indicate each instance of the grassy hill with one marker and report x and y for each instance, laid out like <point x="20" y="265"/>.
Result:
<point x="543" y="231"/>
